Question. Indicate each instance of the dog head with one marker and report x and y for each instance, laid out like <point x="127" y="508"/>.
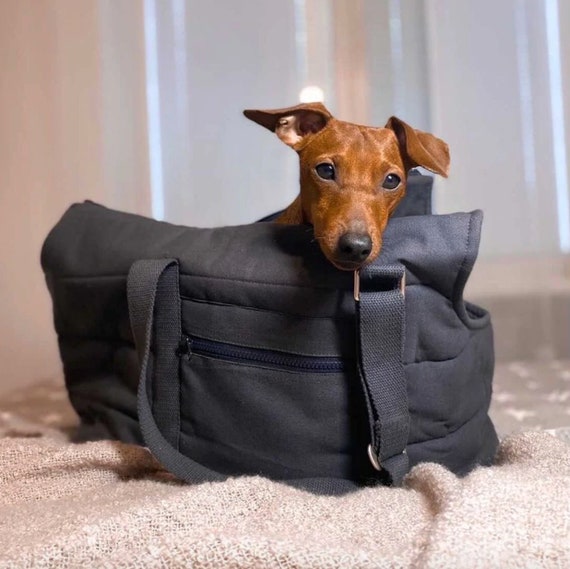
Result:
<point x="352" y="176"/>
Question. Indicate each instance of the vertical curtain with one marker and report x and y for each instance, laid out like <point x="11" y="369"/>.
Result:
<point x="500" y="95"/>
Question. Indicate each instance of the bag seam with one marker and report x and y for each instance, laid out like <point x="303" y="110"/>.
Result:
<point x="264" y="310"/>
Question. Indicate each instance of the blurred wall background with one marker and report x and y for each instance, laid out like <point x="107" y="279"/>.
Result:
<point x="72" y="127"/>
<point x="137" y="104"/>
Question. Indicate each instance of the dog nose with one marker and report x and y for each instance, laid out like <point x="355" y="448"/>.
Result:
<point x="354" y="247"/>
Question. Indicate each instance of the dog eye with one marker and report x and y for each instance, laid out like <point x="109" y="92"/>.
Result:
<point x="391" y="182"/>
<point x="325" y="171"/>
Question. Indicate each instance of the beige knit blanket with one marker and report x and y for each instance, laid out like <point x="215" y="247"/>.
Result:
<point x="110" y="505"/>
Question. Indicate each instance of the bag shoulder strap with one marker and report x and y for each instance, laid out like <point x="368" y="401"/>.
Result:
<point x="380" y="316"/>
<point x="147" y="280"/>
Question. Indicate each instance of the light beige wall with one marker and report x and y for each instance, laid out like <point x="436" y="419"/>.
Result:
<point x="56" y="86"/>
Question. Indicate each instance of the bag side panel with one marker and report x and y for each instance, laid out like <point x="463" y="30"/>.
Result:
<point x="474" y="444"/>
<point x="448" y="399"/>
<point x="99" y="358"/>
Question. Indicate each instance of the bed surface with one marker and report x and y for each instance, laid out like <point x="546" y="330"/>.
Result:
<point x="110" y="504"/>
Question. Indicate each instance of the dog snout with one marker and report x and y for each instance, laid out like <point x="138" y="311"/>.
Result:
<point x="354" y="247"/>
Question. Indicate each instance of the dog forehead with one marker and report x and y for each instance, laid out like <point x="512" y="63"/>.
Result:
<point x="344" y="141"/>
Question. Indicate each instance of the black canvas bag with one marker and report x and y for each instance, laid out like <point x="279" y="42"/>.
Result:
<point x="255" y="358"/>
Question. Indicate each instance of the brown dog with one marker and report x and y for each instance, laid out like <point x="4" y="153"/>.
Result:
<point x="352" y="176"/>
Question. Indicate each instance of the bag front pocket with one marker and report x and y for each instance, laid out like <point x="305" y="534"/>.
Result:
<point x="192" y="345"/>
<point x="251" y="410"/>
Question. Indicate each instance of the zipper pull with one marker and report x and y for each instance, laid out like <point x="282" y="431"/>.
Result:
<point x="184" y="348"/>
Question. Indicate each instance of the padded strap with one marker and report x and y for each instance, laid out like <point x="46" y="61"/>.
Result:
<point x="380" y="333"/>
<point x="148" y="284"/>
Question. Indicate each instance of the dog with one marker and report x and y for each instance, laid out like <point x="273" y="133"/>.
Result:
<point x="352" y="177"/>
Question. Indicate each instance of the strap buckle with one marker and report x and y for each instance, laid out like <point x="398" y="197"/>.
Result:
<point x="402" y="285"/>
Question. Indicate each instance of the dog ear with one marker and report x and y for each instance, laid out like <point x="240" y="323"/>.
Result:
<point x="421" y="148"/>
<point x="294" y="124"/>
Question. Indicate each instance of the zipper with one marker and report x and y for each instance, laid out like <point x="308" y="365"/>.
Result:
<point x="240" y="354"/>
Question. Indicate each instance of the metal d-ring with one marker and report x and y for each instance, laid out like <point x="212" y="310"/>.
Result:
<point x="357" y="285"/>
<point x="373" y="458"/>
<point x="402" y="286"/>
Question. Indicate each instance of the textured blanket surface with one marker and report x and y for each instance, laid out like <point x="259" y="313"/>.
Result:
<point x="108" y="504"/>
